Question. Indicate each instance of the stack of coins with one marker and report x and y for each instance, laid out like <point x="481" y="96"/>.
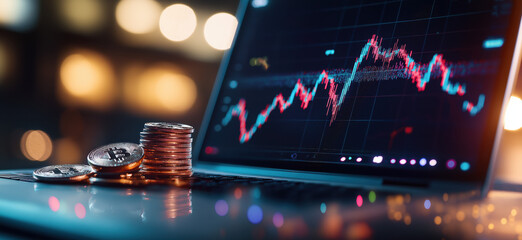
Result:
<point x="168" y="150"/>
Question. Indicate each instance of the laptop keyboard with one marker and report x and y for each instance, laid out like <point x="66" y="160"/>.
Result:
<point x="221" y="183"/>
<point x="26" y="177"/>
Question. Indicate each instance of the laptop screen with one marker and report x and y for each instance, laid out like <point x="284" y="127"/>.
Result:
<point x="386" y="88"/>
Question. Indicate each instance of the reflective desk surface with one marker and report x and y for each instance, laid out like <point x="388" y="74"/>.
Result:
<point x="272" y="210"/>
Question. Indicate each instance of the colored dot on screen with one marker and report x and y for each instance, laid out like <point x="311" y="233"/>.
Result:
<point x="255" y="214"/>
<point x="423" y="162"/>
<point x="451" y="164"/>
<point x="233" y="84"/>
<point x="427" y="204"/>
<point x="433" y="162"/>
<point x="349" y="158"/>
<point x="392" y="161"/>
<point x="221" y="207"/>
<point x="323" y="208"/>
<point x="278" y="220"/>
<point x="372" y="196"/>
<point x="359" y="200"/>
<point x="464" y="166"/>
<point x="358" y="159"/>
<point x="402" y="161"/>
<point x="343" y="159"/>
<point x="413" y="161"/>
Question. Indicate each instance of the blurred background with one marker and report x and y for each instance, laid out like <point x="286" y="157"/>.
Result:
<point x="77" y="74"/>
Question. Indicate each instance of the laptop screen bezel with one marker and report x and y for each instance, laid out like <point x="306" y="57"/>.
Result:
<point x="488" y="146"/>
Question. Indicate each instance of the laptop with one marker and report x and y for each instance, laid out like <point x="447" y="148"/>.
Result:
<point x="379" y="94"/>
<point x="370" y="94"/>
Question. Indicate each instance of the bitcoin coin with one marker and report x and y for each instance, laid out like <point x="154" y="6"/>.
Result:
<point x="63" y="173"/>
<point x="116" y="157"/>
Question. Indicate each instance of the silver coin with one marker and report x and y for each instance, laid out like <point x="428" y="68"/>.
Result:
<point x="63" y="173"/>
<point x="115" y="155"/>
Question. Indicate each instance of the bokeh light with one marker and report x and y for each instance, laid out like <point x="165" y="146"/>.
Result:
<point x="372" y="196"/>
<point x="256" y="193"/>
<point x="4" y="56"/>
<point x="87" y="78"/>
<point x="278" y="220"/>
<point x="219" y="30"/>
<point x="255" y="214"/>
<point x="221" y="208"/>
<point x="79" y="210"/>
<point x="159" y="90"/>
<point x="54" y="204"/>
<point x="238" y="193"/>
<point x="18" y="15"/>
<point x="513" y="118"/>
<point x="427" y="204"/>
<point x="36" y="145"/>
<point x="85" y="16"/>
<point x="359" y="200"/>
<point x="67" y="151"/>
<point x="177" y="22"/>
<point x="323" y="208"/>
<point x="138" y="16"/>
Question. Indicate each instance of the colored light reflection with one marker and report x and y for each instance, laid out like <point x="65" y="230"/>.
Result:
<point x="221" y="207"/>
<point x="238" y="193"/>
<point x="464" y="166"/>
<point x="372" y="196"/>
<point x="359" y="200"/>
<point x="54" y="204"/>
<point x="451" y="164"/>
<point x="278" y="220"/>
<point x="427" y="204"/>
<point x="323" y="208"/>
<point x="255" y="214"/>
<point x="79" y="209"/>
